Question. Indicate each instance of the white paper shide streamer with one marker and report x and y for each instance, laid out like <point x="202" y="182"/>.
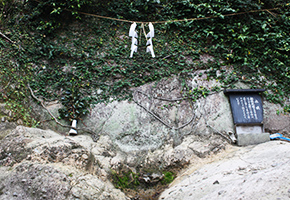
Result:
<point x="134" y="35"/>
<point x="150" y="35"/>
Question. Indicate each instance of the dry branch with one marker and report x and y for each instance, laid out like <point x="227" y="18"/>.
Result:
<point x="4" y="36"/>
<point x="225" y="136"/>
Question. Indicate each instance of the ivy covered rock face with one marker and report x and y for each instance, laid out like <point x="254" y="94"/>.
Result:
<point x="66" y="52"/>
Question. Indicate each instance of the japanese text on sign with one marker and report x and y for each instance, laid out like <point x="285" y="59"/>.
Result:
<point x="249" y="106"/>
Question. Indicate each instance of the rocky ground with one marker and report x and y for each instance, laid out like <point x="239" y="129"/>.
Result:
<point x="42" y="164"/>
<point x="252" y="172"/>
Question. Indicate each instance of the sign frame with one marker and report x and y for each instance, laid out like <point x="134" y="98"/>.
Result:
<point x="246" y="106"/>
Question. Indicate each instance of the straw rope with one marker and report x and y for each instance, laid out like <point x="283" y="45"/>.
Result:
<point x="176" y="20"/>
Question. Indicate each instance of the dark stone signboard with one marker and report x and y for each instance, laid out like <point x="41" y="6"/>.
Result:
<point x="246" y="105"/>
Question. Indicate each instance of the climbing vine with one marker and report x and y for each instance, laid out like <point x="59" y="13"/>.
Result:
<point x="82" y="60"/>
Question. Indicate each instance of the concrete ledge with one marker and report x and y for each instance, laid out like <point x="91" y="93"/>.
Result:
<point x="244" y="139"/>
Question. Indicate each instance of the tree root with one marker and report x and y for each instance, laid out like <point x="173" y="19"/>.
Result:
<point x="225" y="136"/>
<point x="158" y="118"/>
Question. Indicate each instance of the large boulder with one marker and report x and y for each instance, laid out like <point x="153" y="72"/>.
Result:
<point x="42" y="164"/>
<point x="161" y="112"/>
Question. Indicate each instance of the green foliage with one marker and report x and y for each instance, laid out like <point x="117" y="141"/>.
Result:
<point x="125" y="180"/>
<point x="168" y="177"/>
<point x="13" y="86"/>
<point x="75" y="106"/>
<point x="88" y="62"/>
<point x="286" y="109"/>
<point x="48" y="16"/>
<point x="196" y="93"/>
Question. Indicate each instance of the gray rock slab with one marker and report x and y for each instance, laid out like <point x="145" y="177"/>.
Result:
<point x="252" y="172"/>
<point x="245" y="139"/>
<point x="275" y="122"/>
<point x="247" y="135"/>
